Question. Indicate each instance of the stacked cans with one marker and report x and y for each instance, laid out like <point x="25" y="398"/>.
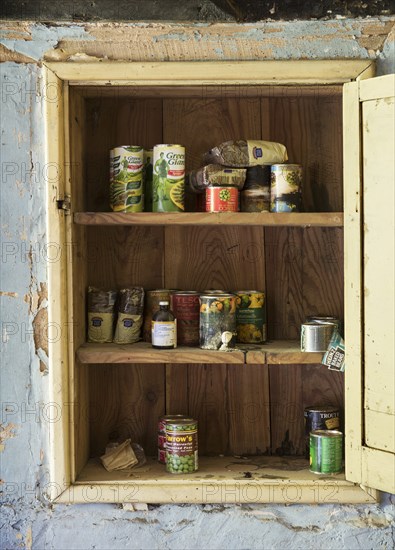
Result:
<point x="286" y="188"/>
<point x="126" y="178"/>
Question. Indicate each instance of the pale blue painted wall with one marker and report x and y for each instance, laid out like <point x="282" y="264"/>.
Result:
<point x="27" y="520"/>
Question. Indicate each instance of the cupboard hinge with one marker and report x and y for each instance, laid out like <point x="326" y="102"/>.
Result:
<point x="64" y="204"/>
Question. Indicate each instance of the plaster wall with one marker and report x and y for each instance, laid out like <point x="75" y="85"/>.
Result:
<point x="27" y="519"/>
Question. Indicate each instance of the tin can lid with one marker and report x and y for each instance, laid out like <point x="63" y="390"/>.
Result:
<point x="325" y="409"/>
<point x="290" y="166"/>
<point x="164" y="303"/>
<point x="217" y="295"/>
<point x="326" y="433"/>
<point x="182" y="422"/>
<point x="249" y="292"/>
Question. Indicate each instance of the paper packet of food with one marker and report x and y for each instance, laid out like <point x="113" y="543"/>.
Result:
<point x="243" y="153"/>
<point x="335" y="355"/>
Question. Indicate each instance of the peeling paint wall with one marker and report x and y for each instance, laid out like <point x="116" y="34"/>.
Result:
<point x="28" y="521"/>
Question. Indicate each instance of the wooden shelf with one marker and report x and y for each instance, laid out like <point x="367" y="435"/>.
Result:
<point x="274" y="353"/>
<point x="230" y="479"/>
<point x="316" y="219"/>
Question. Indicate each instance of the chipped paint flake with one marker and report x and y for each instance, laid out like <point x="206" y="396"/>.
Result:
<point x="7" y="431"/>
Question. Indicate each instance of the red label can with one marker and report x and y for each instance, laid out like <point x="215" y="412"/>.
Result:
<point x="185" y="306"/>
<point x="222" y="199"/>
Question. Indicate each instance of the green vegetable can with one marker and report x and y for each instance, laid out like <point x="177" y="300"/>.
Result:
<point x="250" y="316"/>
<point x="326" y="451"/>
<point x="182" y="446"/>
<point x="168" y="182"/>
<point x="126" y="178"/>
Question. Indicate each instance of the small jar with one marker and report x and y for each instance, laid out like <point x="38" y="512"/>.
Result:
<point x="164" y="328"/>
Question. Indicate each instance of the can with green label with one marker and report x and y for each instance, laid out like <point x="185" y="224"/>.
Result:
<point x="168" y="178"/>
<point x="126" y="178"/>
<point x="182" y="446"/>
<point x="326" y="451"/>
<point x="250" y="316"/>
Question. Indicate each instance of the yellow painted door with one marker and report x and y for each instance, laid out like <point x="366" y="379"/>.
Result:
<point x="369" y="180"/>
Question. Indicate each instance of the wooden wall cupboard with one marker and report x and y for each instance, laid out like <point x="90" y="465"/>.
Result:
<point x="249" y="403"/>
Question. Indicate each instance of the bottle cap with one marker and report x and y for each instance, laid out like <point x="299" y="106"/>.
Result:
<point x="164" y="303"/>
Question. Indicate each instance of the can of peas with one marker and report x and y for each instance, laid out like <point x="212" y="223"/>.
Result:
<point x="182" y="446"/>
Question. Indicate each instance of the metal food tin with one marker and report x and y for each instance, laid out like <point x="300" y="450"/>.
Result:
<point x="182" y="446"/>
<point x="326" y="451"/>
<point x="217" y="315"/>
<point x="151" y="306"/>
<point x="255" y="200"/>
<point x="222" y="198"/>
<point x="186" y="306"/>
<point x="286" y="188"/>
<point x="315" y="337"/>
<point x="126" y="178"/>
<point x="162" y="433"/>
<point x="326" y="319"/>
<point x="250" y="316"/>
<point x="168" y="178"/>
<point x="320" y="418"/>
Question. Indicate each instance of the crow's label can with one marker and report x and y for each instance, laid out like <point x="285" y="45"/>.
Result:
<point x="182" y="446"/>
<point x="168" y="178"/>
<point x="326" y="451"/>
<point x="250" y="316"/>
<point x="185" y="306"/>
<point x="162" y="433"/>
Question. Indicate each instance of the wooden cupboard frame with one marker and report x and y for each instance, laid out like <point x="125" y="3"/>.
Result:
<point x="221" y="486"/>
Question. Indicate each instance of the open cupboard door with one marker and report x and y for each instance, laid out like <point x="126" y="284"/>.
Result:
<point x="369" y="145"/>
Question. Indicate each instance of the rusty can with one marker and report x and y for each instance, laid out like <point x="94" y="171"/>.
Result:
<point x="286" y="188"/>
<point x="250" y="316"/>
<point x="217" y="315"/>
<point x="222" y="198"/>
<point x="185" y="306"/>
<point x="151" y="306"/>
<point x="162" y="421"/>
<point x="320" y="418"/>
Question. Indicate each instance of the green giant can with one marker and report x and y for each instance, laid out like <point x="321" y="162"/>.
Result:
<point x="326" y="451"/>
<point x="168" y="178"/>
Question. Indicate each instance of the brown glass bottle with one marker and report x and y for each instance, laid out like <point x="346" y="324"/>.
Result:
<point x="164" y="328"/>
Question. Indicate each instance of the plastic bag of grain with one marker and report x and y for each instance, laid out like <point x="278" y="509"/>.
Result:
<point x="101" y="314"/>
<point x="216" y="174"/>
<point x="244" y="153"/>
<point x="130" y="309"/>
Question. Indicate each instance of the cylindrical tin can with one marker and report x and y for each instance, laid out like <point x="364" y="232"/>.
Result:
<point x="222" y="198"/>
<point x="316" y="336"/>
<point x="148" y="167"/>
<point x="182" y="446"/>
<point x="255" y="200"/>
<point x="168" y="178"/>
<point x="320" y="418"/>
<point x="185" y="306"/>
<point x="286" y="188"/>
<point x="162" y="421"/>
<point x="250" y="316"/>
<point x="151" y="306"/>
<point x="217" y="315"/>
<point x="326" y="319"/>
<point x="326" y="451"/>
<point x="126" y="178"/>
